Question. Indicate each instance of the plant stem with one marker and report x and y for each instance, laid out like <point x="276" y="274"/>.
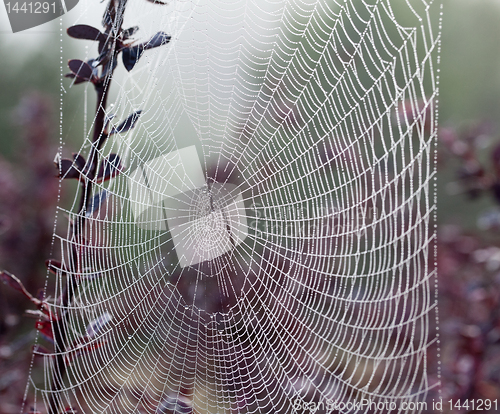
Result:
<point x="115" y="11"/>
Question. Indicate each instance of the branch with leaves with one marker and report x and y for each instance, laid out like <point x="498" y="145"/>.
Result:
<point x="52" y="324"/>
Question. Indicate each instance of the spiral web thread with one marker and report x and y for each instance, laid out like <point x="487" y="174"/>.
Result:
<point x="269" y="243"/>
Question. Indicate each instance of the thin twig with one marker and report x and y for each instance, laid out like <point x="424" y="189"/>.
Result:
<point x="114" y="13"/>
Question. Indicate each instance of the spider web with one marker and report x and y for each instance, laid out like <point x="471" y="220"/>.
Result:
<point x="269" y="245"/>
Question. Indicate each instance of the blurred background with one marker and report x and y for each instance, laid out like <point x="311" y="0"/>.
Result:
<point x="468" y="190"/>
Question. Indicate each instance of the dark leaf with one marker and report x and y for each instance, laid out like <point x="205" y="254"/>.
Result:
<point x="83" y="31"/>
<point x="109" y="67"/>
<point x="88" y="342"/>
<point x="77" y="78"/>
<point x="66" y="169"/>
<point x="158" y="39"/>
<point x="45" y="328"/>
<point x="81" y="69"/>
<point x="55" y="266"/>
<point x="130" y="57"/>
<point x="43" y="313"/>
<point x="94" y="63"/>
<point x="96" y="202"/>
<point x="161" y="3"/>
<point x="38" y="314"/>
<point x="71" y="168"/>
<point x="79" y="161"/>
<point x="128" y="124"/>
<point x="108" y="19"/>
<point x="100" y="49"/>
<point x="97" y="325"/>
<point x="113" y="16"/>
<point x="127" y="33"/>
<point x="107" y="120"/>
<point x="109" y="168"/>
<point x="12" y="281"/>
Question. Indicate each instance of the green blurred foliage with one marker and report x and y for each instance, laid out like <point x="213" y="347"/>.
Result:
<point x="37" y="71"/>
<point x="470" y="61"/>
<point x="469" y="95"/>
<point x="32" y="63"/>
